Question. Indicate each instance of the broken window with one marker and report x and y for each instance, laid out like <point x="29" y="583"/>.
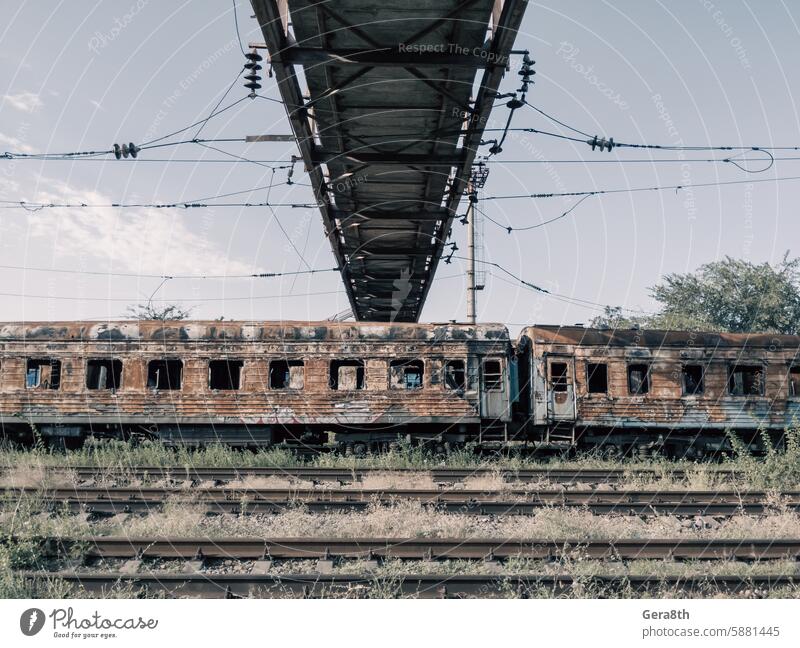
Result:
<point x="597" y="377"/>
<point x="692" y="380"/>
<point x="225" y="374"/>
<point x="103" y="374"/>
<point x="406" y="374"/>
<point x="746" y="380"/>
<point x="492" y="375"/>
<point x="638" y="378"/>
<point x="286" y="374"/>
<point x="164" y="374"/>
<point x="794" y="380"/>
<point x="347" y="374"/>
<point x="44" y="373"/>
<point x="455" y="375"/>
<point x="559" y="376"/>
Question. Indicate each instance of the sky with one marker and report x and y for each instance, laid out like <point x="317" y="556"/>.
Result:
<point x="80" y="75"/>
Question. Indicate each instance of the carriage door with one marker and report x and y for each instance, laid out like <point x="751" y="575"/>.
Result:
<point x="494" y="400"/>
<point x="561" y="388"/>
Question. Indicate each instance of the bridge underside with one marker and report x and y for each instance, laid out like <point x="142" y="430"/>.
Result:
<point x="398" y="96"/>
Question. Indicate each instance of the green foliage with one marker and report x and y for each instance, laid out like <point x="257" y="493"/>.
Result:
<point x="727" y="295"/>
<point x="777" y="469"/>
<point x="613" y="317"/>
<point x="733" y="295"/>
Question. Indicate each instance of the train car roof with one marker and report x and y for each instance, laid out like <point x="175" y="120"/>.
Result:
<point x="233" y="330"/>
<point x="579" y="335"/>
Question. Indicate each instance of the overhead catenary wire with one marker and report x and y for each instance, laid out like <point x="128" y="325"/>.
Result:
<point x="137" y="275"/>
<point x="236" y="25"/>
<point x="678" y="187"/>
<point x="170" y="299"/>
<point x="610" y="144"/>
<point x="238" y="160"/>
<point x="576" y="301"/>
<point x="511" y="229"/>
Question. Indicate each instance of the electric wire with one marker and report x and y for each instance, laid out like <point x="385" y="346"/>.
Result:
<point x="598" y="192"/>
<point x="257" y="275"/>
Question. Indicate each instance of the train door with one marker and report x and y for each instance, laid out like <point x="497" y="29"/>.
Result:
<point x="561" y="388"/>
<point x="494" y="391"/>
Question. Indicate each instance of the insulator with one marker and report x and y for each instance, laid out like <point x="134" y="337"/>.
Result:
<point x="117" y="151"/>
<point x="601" y="143"/>
<point x="252" y="66"/>
<point x="133" y="149"/>
<point x="253" y="56"/>
<point x="252" y="86"/>
<point x="515" y="103"/>
<point x="253" y="77"/>
<point x="125" y="151"/>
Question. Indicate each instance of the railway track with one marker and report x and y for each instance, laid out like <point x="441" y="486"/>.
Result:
<point x="351" y="475"/>
<point x="507" y="502"/>
<point x="490" y="549"/>
<point x="422" y="586"/>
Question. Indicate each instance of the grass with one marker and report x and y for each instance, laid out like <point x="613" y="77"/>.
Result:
<point x="23" y="522"/>
<point x="776" y="470"/>
<point x="404" y="519"/>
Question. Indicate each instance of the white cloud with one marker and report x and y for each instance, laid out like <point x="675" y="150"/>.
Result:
<point x="14" y="144"/>
<point x="24" y="101"/>
<point x="147" y="241"/>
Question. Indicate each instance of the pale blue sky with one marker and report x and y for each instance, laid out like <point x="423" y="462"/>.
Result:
<point x="694" y="71"/>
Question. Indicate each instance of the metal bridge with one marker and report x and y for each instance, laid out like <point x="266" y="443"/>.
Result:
<point x="398" y="96"/>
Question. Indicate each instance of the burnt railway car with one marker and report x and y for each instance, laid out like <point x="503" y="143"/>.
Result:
<point x="256" y="383"/>
<point x="646" y="391"/>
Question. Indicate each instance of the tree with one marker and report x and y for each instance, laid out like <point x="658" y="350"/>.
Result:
<point x="734" y="295"/>
<point x="163" y="313"/>
<point x="614" y="318"/>
<point x="727" y="295"/>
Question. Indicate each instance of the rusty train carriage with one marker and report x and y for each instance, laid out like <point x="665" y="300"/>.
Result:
<point x="254" y="382"/>
<point x="371" y="384"/>
<point x="643" y="390"/>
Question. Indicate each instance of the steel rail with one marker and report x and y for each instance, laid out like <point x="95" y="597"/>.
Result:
<point x="188" y="548"/>
<point x="422" y="586"/>
<point x="349" y="475"/>
<point x="510" y="502"/>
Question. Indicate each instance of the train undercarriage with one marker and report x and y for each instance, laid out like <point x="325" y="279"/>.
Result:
<point x="561" y="438"/>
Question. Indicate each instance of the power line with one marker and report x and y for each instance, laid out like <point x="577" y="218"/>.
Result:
<point x="257" y="275"/>
<point x="597" y="192"/>
<point x="230" y="87"/>
<point x="575" y="301"/>
<point x="197" y="123"/>
<point x="236" y="160"/>
<point x="236" y="24"/>
<point x="610" y="144"/>
<point x="510" y="229"/>
<point x="171" y="300"/>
